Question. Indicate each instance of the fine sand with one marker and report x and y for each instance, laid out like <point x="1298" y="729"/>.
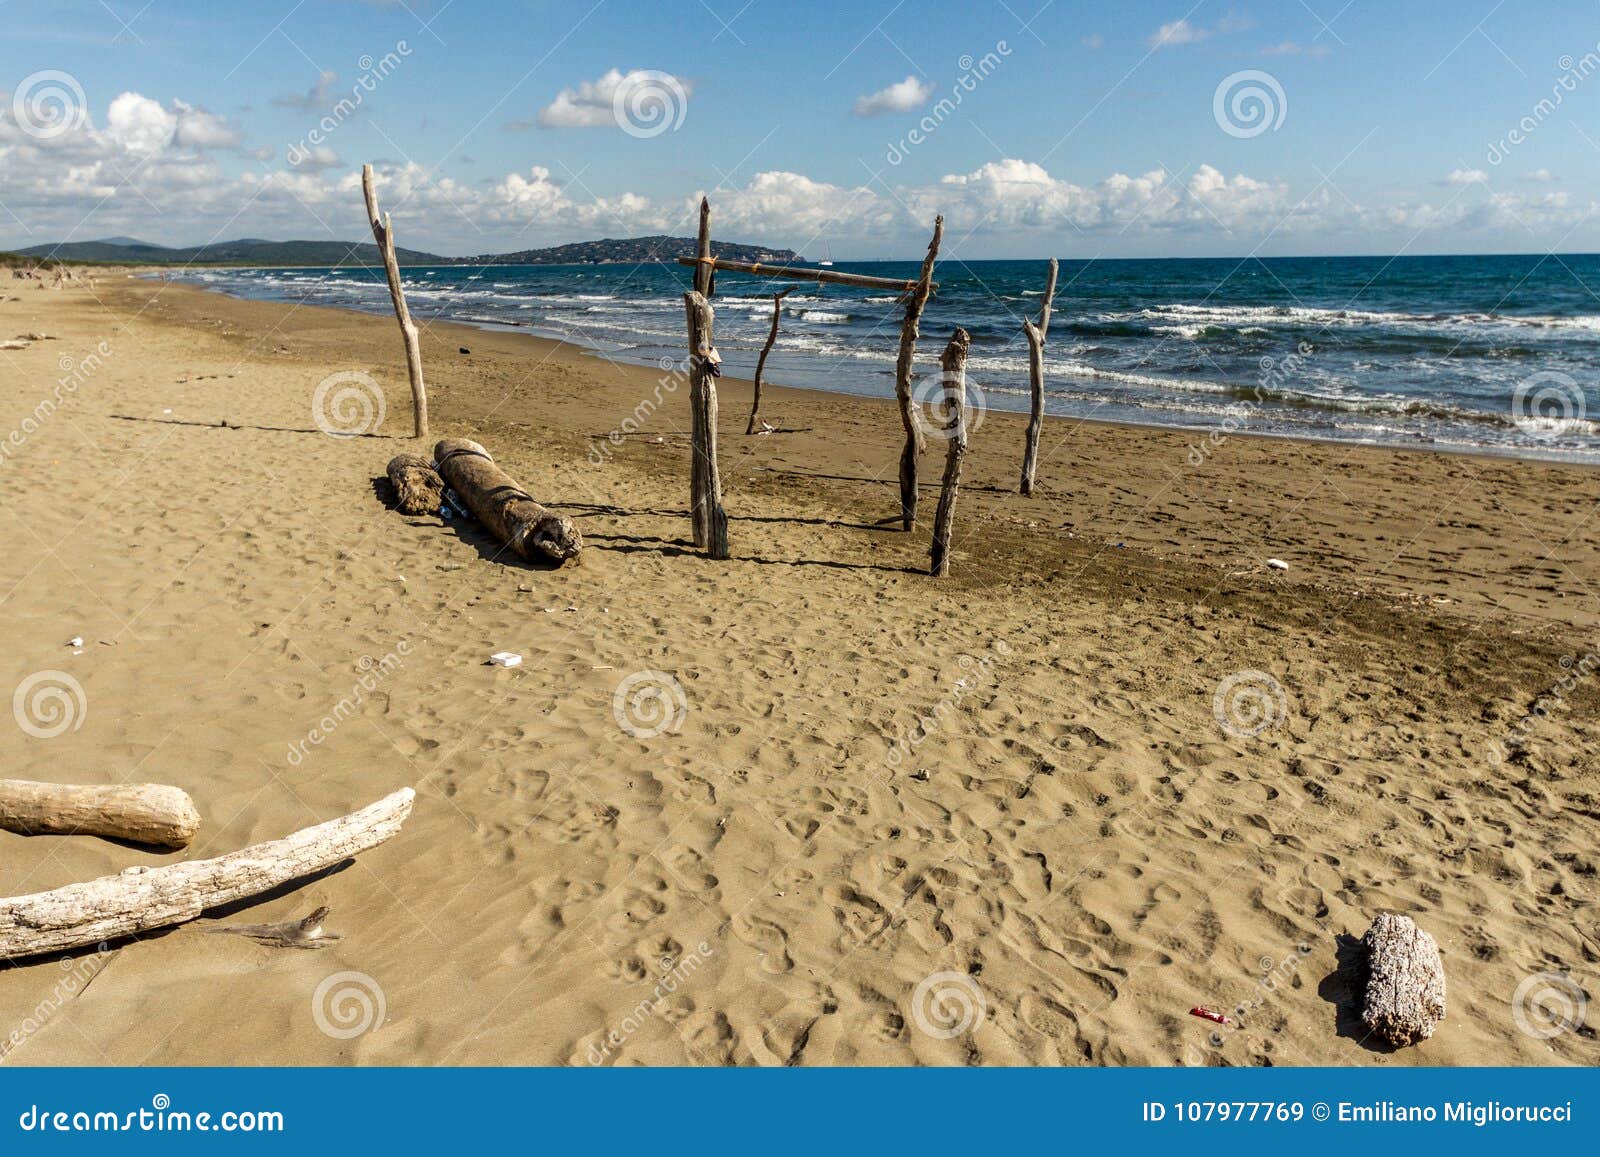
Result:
<point x="1071" y="854"/>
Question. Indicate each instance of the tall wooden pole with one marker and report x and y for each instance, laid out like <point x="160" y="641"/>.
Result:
<point x="710" y="520"/>
<point x="383" y="233"/>
<point x="909" y="330"/>
<point x="1036" y="335"/>
<point x="761" y="362"/>
<point x="697" y="450"/>
<point x="953" y="365"/>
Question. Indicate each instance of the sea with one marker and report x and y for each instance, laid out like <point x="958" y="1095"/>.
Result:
<point x="1495" y="354"/>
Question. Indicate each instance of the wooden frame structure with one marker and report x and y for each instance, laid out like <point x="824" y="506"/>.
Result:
<point x="709" y="519"/>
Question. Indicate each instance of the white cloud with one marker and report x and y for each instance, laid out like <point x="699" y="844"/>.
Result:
<point x="1467" y="177"/>
<point x="314" y="99"/>
<point x="903" y="96"/>
<point x="1093" y="40"/>
<point x="1178" y="32"/>
<point x="591" y="104"/>
<point x="144" y="126"/>
<point x="1543" y="176"/>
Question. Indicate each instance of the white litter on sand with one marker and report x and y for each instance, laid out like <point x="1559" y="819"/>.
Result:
<point x="506" y="659"/>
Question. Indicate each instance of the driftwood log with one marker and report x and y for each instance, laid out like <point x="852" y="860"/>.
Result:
<point x="801" y="273"/>
<point x="705" y="483"/>
<point x="1036" y="337"/>
<point x="761" y="362"/>
<point x="909" y="330"/>
<point x="506" y="509"/>
<point x="383" y="233"/>
<point x="140" y="899"/>
<point x="418" y="489"/>
<point x="145" y="813"/>
<point x="1404" y="998"/>
<point x="953" y="366"/>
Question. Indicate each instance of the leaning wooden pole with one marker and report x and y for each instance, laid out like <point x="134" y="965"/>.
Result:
<point x="761" y="362"/>
<point x="705" y="365"/>
<point x="140" y="899"/>
<point x="953" y="367"/>
<point x="383" y="233"/>
<point x="1036" y="338"/>
<point x="698" y="507"/>
<point x="909" y="330"/>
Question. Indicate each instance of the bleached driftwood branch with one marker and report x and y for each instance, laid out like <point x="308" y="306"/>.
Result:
<point x="1036" y="338"/>
<point x="909" y="331"/>
<point x="705" y="488"/>
<point x="146" y="813"/>
<point x="761" y="362"/>
<point x="140" y="899"/>
<point x="1405" y="981"/>
<point x="953" y="365"/>
<point x="383" y="233"/>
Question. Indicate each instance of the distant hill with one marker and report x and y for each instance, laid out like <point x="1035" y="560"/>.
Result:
<point x="253" y="251"/>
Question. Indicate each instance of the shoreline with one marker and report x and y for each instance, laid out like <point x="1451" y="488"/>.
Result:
<point x="927" y="355"/>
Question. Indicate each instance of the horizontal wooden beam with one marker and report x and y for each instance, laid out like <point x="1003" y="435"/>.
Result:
<point x="826" y="276"/>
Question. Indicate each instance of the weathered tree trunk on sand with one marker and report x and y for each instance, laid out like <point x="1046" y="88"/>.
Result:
<point x="383" y="233"/>
<point x="909" y="330"/>
<point x="418" y="489"/>
<point x="761" y="362"/>
<point x="1036" y="338"/>
<point x="146" y="813"/>
<point x="535" y="533"/>
<point x="953" y="366"/>
<point x="1405" y="981"/>
<point x="140" y="899"/>
<point x="705" y="489"/>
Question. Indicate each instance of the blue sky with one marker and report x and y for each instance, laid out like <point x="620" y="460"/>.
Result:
<point x="1081" y="129"/>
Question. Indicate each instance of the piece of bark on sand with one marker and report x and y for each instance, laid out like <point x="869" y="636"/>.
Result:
<point x="304" y="933"/>
<point x="418" y="489"/>
<point x="142" y="813"/>
<point x="506" y="509"/>
<point x="141" y="899"/>
<point x="1404" y="997"/>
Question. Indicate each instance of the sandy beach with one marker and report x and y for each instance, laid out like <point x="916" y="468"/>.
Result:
<point x="1155" y="772"/>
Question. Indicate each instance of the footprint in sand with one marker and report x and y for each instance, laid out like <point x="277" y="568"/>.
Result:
<point x="771" y="941"/>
